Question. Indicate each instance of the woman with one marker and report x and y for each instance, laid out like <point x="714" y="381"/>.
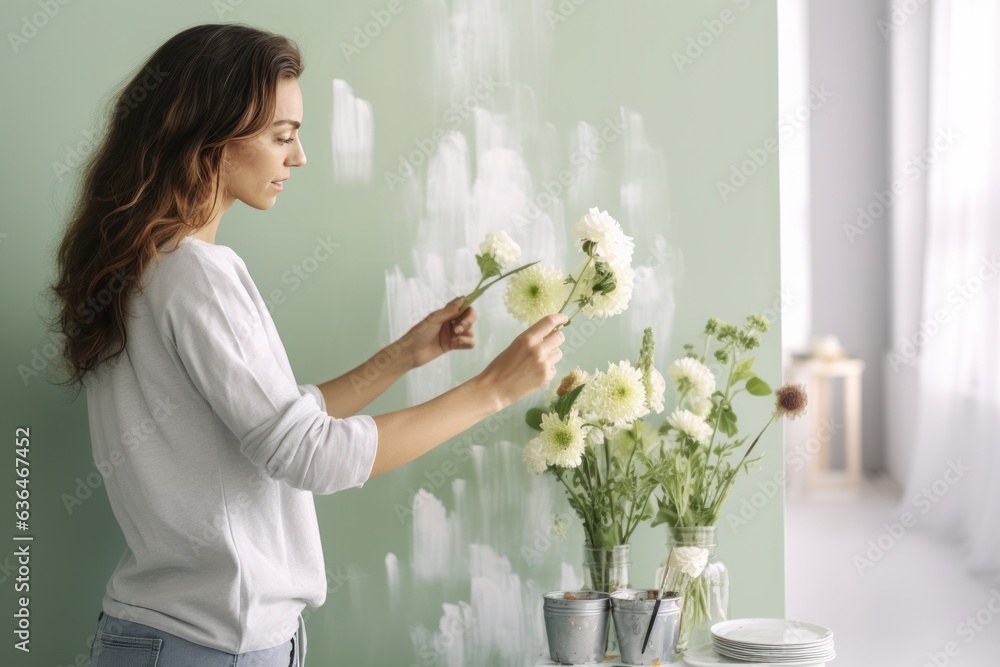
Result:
<point x="209" y="449"/>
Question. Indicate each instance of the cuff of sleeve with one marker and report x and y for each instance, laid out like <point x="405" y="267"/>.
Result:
<point x="372" y="439"/>
<point x="315" y="391"/>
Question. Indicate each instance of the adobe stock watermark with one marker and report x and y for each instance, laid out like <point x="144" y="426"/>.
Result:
<point x="138" y="93"/>
<point x="960" y="295"/>
<point x="771" y="488"/>
<point x="970" y="628"/>
<point x="30" y="25"/>
<point x="562" y="12"/>
<point x="924" y="500"/>
<point x="740" y="174"/>
<point x="704" y="39"/>
<point x="448" y="633"/>
<point x="580" y="158"/>
<point x="298" y="273"/>
<point x="480" y="434"/>
<point x="900" y="13"/>
<point x="543" y="539"/>
<point x="75" y="153"/>
<point x="42" y="355"/>
<point x="453" y="117"/>
<point x="364" y="34"/>
<point x="163" y="409"/>
<point x="913" y="169"/>
<point x="223" y="7"/>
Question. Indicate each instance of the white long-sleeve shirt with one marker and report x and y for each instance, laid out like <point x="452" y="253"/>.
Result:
<point x="211" y="454"/>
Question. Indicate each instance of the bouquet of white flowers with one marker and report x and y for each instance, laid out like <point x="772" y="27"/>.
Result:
<point x="594" y="441"/>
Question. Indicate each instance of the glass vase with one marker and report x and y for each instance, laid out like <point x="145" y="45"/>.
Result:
<point x="696" y="573"/>
<point x="607" y="571"/>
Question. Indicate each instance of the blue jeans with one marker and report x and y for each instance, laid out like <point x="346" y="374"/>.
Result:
<point x="122" y="643"/>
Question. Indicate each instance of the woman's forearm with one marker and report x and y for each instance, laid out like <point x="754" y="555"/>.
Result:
<point x="348" y="394"/>
<point x="409" y="433"/>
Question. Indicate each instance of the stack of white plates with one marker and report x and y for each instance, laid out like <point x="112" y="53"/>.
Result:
<point x="773" y="640"/>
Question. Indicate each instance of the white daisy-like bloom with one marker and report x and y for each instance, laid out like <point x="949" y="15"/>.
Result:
<point x="535" y="292"/>
<point x="611" y="243"/>
<point x="655" y="386"/>
<point x="690" y="425"/>
<point x="692" y="375"/>
<point x="563" y="441"/>
<point x="616" y="397"/>
<point x="533" y="457"/>
<point x="701" y="406"/>
<point x="503" y="248"/>
<point x="614" y="302"/>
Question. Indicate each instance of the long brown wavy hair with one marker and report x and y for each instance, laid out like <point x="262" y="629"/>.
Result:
<point x="155" y="175"/>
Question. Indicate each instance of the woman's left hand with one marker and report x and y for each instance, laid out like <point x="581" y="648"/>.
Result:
<point x="436" y="334"/>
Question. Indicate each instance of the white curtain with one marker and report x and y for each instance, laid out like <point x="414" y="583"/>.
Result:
<point x="943" y="368"/>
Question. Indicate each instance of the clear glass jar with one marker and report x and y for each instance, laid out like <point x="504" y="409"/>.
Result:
<point x="706" y="596"/>
<point x="607" y="570"/>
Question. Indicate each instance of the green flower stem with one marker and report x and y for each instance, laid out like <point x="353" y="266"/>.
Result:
<point x="587" y="525"/>
<point x="726" y="398"/>
<point x="575" y="283"/>
<point x="723" y="490"/>
<point x="480" y="288"/>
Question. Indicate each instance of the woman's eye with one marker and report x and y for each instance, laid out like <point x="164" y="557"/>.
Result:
<point x="285" y="141"/>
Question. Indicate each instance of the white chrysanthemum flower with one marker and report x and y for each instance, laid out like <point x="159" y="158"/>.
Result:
<point x="503" y="248"/>
<point x="701" y="406"/>
<point x="692" y="376"/>
<point x="690" y="425"/>
<point x="610" y="242"/>
<point x="655" y="386"/>
<point x="616" y="397"/>
<point x="614" y="302"/>
<point x="533" y="457"/>
<point x="563" y="440"/>
<point x="535" y="292"/>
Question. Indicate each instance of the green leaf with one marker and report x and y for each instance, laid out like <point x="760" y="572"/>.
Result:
<point x="534" y="418"/>
<point x="758" y="387"/>
<point x="488" y="265"/>
<point x="727" y="424"/>
<point x="565" y="402"/>
<point x="742" y="370"/>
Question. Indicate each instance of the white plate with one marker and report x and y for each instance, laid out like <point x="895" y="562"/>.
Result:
<point x="771" y="632"/>
<point x="703" y="656"/>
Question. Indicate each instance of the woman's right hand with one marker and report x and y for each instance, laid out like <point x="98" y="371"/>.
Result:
<point x="529" y="361"/>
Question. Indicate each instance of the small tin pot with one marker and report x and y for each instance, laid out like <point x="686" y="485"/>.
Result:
<point x="576" y="623"/>
<point x="632" y="609"/>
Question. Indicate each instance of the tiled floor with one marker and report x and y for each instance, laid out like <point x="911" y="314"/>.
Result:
<point x="914" y="607"/>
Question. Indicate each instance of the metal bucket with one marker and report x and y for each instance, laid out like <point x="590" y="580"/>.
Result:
<point x="632" y="610"/>
<point x="576" y="623"/>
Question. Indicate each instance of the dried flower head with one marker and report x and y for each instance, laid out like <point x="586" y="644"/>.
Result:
<point x="572" y="380"/>
<point x="791" y="401"/>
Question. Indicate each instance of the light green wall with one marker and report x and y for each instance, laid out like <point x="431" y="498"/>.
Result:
<point x="722" y="261"/>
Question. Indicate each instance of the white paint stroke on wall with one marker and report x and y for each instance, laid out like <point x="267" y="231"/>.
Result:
<point x="392" y="580"/>
<point x="352" y="136"/>
<point x="645" y="213"/>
